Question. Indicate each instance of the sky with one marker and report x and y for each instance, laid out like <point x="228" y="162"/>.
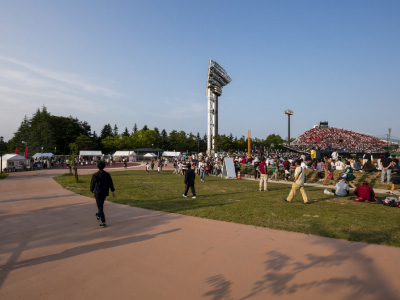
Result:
<point x="145" y="62"/>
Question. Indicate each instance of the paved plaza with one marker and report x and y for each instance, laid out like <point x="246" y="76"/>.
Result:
<point x="52" y="248"/>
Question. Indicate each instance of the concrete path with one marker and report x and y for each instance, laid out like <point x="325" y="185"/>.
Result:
<point x="52" y="248"/>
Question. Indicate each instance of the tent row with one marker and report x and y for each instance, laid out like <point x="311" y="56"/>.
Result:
<point x="14" y="162"/>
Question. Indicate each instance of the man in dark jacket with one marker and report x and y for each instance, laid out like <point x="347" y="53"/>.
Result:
<point x="189" y="181"/>
<point x="100" y="185"/>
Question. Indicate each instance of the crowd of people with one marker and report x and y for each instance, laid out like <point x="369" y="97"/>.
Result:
<point x="345" y="141"/>
<point x="283" y="165"/>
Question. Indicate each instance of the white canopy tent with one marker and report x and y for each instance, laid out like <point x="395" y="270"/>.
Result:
<point x="130" y="154"/>
<point x="39" y="155"/>
<point x="150" y="155"/>
<point x="13" y="162"/>
<point x="90" y="153"/>
<point x="171" y="154"/>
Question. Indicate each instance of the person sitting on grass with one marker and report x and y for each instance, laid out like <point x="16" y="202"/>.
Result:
<point x="349" y="174"/>
<point x="357" y="166"/>
<point x="395" y="175"/>
<point x="369" y="167"/>
<point x="341" y="188"/>
<point x="329" y="171"/>
<point x="364" y="193"/>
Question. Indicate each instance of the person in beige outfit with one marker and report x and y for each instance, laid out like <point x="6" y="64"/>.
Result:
<point x="298" y="183"/>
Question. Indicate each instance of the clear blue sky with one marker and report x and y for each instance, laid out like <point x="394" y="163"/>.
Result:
<point x="145" y="62"/>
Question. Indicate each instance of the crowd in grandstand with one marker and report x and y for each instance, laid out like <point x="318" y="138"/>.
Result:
<point x="345" y="141"/>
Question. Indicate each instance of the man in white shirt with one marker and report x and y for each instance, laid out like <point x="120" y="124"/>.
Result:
<point x="339" y="165"/>
<point x="299" y="178"/>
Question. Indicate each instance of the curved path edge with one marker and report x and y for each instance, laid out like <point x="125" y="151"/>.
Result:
<point x="52" y="248"/>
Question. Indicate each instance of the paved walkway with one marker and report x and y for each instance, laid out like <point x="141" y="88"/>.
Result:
<point x="52" y="248"/>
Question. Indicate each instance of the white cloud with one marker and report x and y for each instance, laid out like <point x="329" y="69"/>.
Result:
<point x="25" y="87"/>
<point x="63" y="78"/>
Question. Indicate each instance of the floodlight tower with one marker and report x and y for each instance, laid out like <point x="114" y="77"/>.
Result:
<point x="289" y="112"/>
<point x="217" y="78"/>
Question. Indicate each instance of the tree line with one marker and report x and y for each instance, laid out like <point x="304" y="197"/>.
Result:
<point x="44" y="132"/>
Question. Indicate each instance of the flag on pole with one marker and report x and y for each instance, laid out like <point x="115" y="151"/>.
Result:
<point x="26" y="152"/>
<point x="16" y="150"/>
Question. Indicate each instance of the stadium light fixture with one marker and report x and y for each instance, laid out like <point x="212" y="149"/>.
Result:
<point x="289" y="112"/>
<point x="217" y="78"/>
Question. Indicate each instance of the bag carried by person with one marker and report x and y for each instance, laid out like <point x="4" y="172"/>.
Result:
<point x="330" y="176"/>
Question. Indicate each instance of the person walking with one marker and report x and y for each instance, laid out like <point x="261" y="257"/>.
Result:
<point x="100" y="185"/>
<point x="202" y="167"/>
<point x="189" y="181"/>
<point x="263" y="175"/>
<point x="298" y="183"/>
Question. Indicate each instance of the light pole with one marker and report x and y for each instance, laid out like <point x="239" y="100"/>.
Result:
<point x="217" y="78"/>
<point x="289" y="112"/>
<point x="26" y="147"/>
<point x="1" y="154"/>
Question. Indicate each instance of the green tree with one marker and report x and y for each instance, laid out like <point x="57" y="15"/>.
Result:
<point x="144" y="138"/>
<point x="274" y="139"/>
<point x="178" y="141"/>
<point x="223" y="142"/>
<point x="115" y="130"/>
<point x="240" y="144"/>
<point x="126" y="132"/>
<point x="164" y="140"/>
<point x="106" y="131"/>
<point x="84" y="142"/>
<point x="73" y="153"/>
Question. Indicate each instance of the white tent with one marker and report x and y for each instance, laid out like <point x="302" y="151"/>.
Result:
<point x="150" y="155"/>
<point x="171" y="154"/>
<point x="38" y="155"/>
<point x="119" y="154"/>
<point x="13" y="162"/>
<point x="90" y="153"/>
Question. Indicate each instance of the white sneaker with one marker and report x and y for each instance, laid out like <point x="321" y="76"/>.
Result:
<point x="194" y="197"/>
<point x="184" y="195"/>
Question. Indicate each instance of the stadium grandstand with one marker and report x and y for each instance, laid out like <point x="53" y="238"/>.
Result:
<point x="330" y="138"/>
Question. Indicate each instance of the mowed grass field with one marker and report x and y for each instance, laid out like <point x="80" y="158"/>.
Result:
<point x="239" y="201"/>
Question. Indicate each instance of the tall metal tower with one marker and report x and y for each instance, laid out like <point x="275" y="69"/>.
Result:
<point x="217" y="78"/>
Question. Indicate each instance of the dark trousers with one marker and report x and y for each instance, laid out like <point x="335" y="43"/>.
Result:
<point x="187" y="189"/>
<point x="100" y="205"/>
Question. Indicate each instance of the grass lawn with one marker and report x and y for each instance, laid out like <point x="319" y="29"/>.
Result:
<point x="239" y="201"/>
<point x="3" y="175"/>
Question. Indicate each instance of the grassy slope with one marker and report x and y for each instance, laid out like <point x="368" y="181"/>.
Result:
<point x="240" y="201"/>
